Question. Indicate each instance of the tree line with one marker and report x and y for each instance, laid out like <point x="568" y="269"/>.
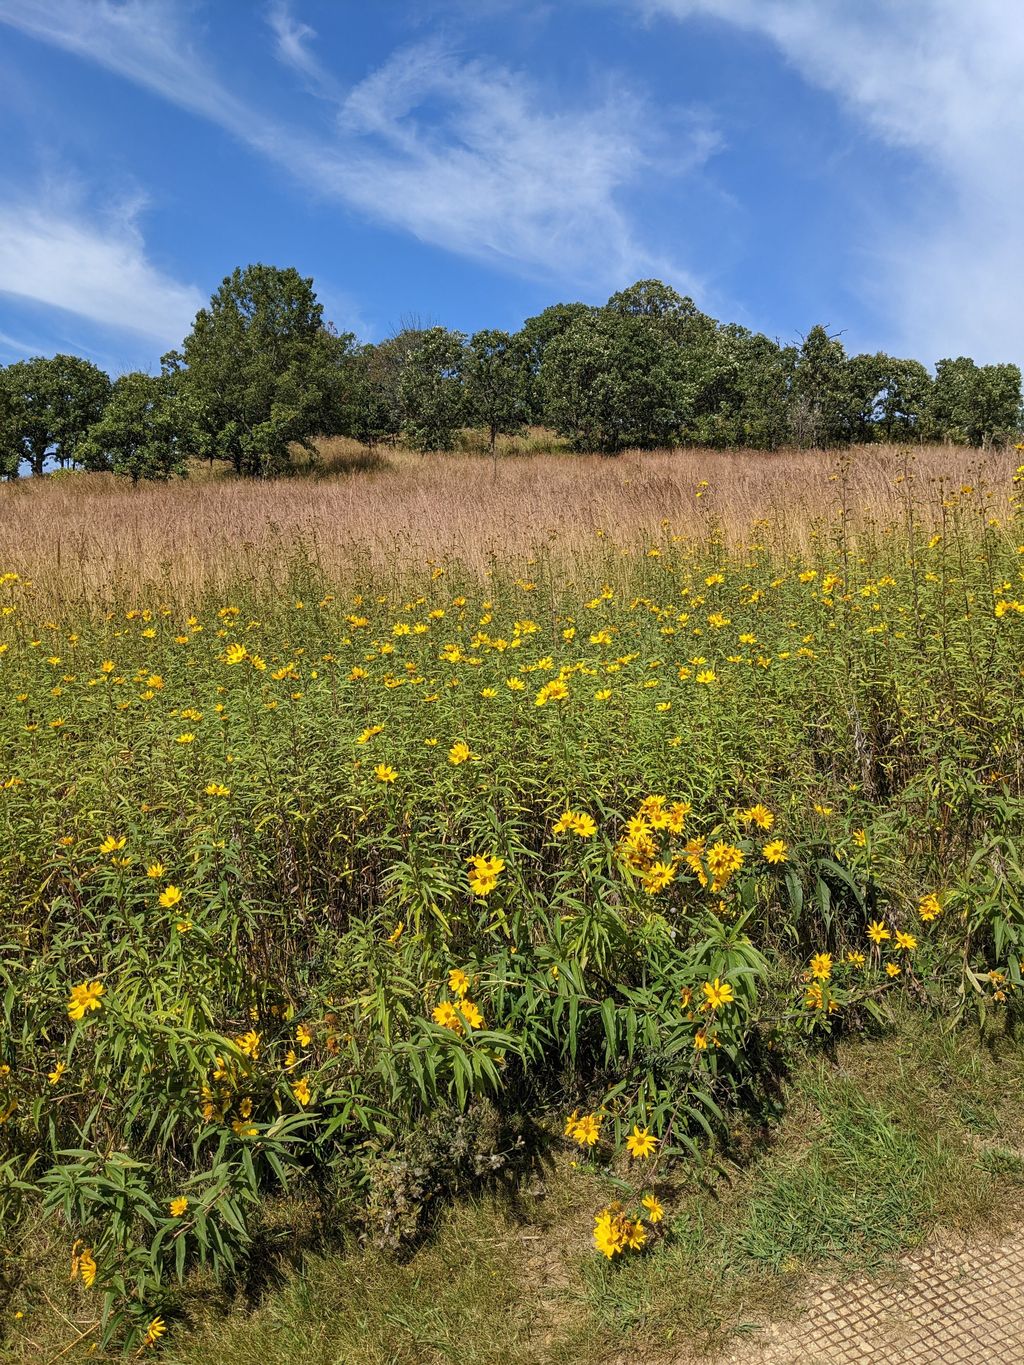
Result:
<point x="262" y="373"/>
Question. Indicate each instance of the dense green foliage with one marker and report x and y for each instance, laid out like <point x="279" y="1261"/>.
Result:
<point x="431" y="390"/>
<point x="46" y="408"/>
<point x="261" y="374"/>
<point x="260" y="371"/>
<point x="495" y="379"/>
<point x="140" y="433"/>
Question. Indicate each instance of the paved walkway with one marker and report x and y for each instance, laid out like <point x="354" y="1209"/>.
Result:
<point x="957" y="1304"/>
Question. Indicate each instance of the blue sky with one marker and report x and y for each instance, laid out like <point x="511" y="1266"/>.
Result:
<point x="467" y="162"/>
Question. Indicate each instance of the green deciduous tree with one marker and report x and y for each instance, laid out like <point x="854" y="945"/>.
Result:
<point x="370" y="414"/>
<point x="46" y="407"/>
<point x="902" y="397"/>
<point x="612" y="380"/>
<point x="433" y="399"/>
<point x="710" y="366"/>
<point x="10" y="453"/>
<point x="974" y="404"/>
<point x="496" y="383"/>
<point x="535" y="336"/>
<point x="261" y="371"/>
<point x="676" y="315"/>
<point x="826" y="408"/>
<point x="140" y="434"/>
<point x="373" y="402"/>
<point x="745" y="395"/>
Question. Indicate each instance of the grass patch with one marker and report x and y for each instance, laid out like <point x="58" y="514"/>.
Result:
<point x="861" y="1189"/>
<point x="460" y="1289"/>
<point x="869" y="1184"/>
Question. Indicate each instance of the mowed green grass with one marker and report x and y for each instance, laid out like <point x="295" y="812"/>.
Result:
<point x="882" y="1144"/>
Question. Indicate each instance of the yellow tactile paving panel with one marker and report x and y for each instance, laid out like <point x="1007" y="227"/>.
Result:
<point x="949" y="1305"/>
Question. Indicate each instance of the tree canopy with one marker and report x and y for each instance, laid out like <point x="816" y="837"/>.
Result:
<point x="261" y="371"/>
<point x="261" y="374"/>
<point x="496" y="376"/>
<point x="141" y="433"/>
<point x="46" y="407"/>
<point x="431" y="388"/>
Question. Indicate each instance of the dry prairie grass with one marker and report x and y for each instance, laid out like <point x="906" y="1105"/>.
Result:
<point x="90" y="538"/>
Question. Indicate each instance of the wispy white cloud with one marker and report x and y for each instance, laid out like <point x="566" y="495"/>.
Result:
<point x="942" y="79"/>
<point x="463" y="154"/>
<point x="98" y="271"/>
<point x="16" y="346"/>
<point x="294" y="45"/>
<point x="142" y="40"/>
<point x="346" y="312"/>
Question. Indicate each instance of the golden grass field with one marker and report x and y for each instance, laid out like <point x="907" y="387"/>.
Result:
<point x="95" y="538"/>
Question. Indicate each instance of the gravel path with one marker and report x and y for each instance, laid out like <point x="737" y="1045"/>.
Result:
<point x="957" y="1304"/>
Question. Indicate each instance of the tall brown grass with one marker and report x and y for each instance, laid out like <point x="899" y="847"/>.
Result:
<point x="91" y="538"/>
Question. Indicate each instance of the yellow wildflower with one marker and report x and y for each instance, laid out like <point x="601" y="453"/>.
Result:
<point x="249" y="1044"/>
<point x="586" y="1131"/>
<point x="929" y="907"/>
<point x="84" y="998"/>
<point x="658" y="876"/>
<point x="483" y="873"/>
<point x="555" y="690"/>
<point x="154" y="1332"/>
<point x="758" y="815"/>
<point x="655" y="1212"/>
<point x="458" y="982"/>
<point x="641" y="1143"/>
<point x="83" y="1265"/>
<point x="821" y="966"/>
<point x="447" y="1016"/>
<point x="718" y="993"/>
